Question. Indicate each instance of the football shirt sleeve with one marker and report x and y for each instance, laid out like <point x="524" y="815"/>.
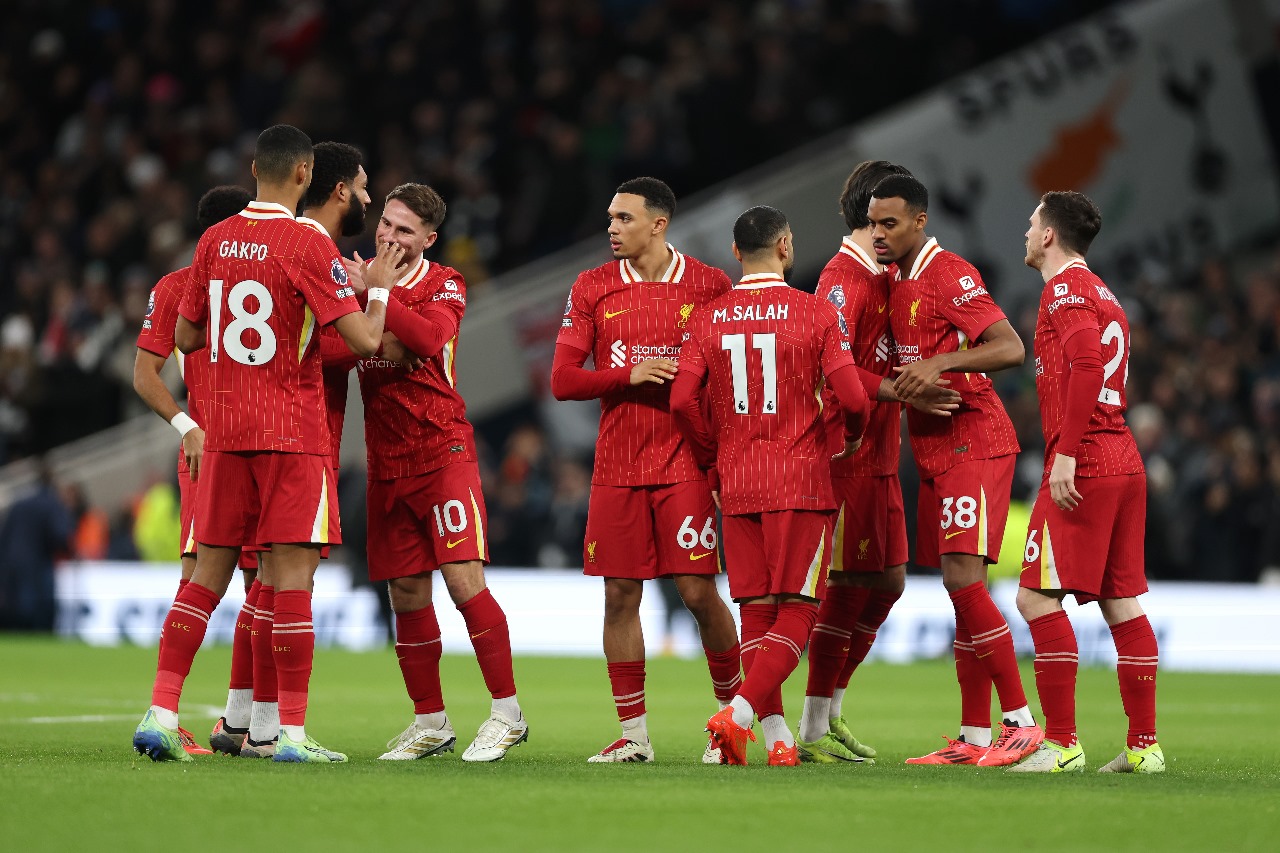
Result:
<point x="1083" y="349"/>
<point x="686" y="404"/>
<point x="195" y="292"/>
<point x="156" y="336"/>
<point x="578" y="327"/>
<point x="965" y="303"/>
<point x="321" y="278"/>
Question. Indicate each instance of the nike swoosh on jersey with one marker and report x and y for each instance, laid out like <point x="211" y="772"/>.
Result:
<point x="956" y="533"/>
<point x="700" y="556"/>
<point x="880" y="310"/>
<point x="609" y="315"/>
<point x="456" y="544"/>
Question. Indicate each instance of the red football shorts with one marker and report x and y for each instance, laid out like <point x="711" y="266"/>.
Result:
<point x="260" y="498"/>
<point x="417" y="524"/>
<point x="963" y="510"/>
<point x="187" y="513"/>
<point x="1096" y="550"/>
<point x="645" y="532"/>
<point x="871" y="524"/>
<point x="776" y="553"/>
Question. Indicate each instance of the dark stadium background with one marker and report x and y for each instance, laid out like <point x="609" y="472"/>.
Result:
<point x="115" y="116"/>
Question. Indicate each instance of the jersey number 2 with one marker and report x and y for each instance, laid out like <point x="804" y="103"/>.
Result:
<point x="231" y="339"/>
<point x="1114" y="333"/>
<point x="767" y="343"/>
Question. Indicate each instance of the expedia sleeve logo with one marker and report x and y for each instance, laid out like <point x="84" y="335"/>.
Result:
<point x="1060" y="290"/>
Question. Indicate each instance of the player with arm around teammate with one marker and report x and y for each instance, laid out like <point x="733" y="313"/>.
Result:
<point x="1088" y="525"/>
<point x="760" y="355"/>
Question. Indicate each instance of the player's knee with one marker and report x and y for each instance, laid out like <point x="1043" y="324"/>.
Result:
<point x="463" y="580"/>
<point x="1033" y="604"/>
<point x="409" y="594"/>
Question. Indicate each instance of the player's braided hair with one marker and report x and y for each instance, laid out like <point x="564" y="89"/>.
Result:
<point x="423" y="201"/>
<point x="856" y="194"/>
<point x="1074" y="218"/>
<point x="336" y="163"/>
<point x="220" y="203"/>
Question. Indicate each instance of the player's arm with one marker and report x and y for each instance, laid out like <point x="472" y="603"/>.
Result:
<point x="1083" y="347"/>
<point x="425" y="333"/>
<point x="335" y="354"/>
<point x="686" y="410"/>
<point x="363" y="330"/>
<point x="1000" y="348"/>
<point x="153" y="391"/>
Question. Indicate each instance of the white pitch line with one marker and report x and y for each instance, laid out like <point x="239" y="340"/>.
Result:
<point x="200" y="711"/>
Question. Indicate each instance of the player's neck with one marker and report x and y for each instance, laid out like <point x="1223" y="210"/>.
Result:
<point x="330" y="219"/>
<point x="908" y="261"/>
<point x="285" y="196"/>
<point x="1054" y="260"/>
<point x="771" y="266"/>
<point x="653" y="261"/>
<point x="862" y="239"/>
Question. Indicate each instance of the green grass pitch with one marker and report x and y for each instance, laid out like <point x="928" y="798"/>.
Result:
<point x="69" y="779"/>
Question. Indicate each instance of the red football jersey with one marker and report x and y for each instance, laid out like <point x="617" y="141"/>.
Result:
<point x="1072" y="299"/>
<point x="416" y="422"/>
<point x="765" y="348"/>
<point x="623" y="321"/>
<point x="157" y="337"/>
<point x="337" y="359"/>
<point x="859" y="288"/>
<point x="943" y="306"/>
<point x="262" y="283"/>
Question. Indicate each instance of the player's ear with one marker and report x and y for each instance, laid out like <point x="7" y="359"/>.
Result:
<point x="253" y="167"/>
<point x="736" y="254"/>
<point x="659" y="224"/>
<point x="922" y="218"/>
<point x="431" y="240"/>
<point x="341" y="190"/>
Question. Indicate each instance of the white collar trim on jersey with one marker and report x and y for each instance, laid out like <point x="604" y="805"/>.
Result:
<point x="415" y="276"/>
<point x="926" y="256"/>
<point x="312" y="223"/>
<point x="1074" y="262"/>
<point x="674" y="273"/>
<point x="761" y="279"/>
<point x="266" y="210"/>
<point x="853" y="250"/>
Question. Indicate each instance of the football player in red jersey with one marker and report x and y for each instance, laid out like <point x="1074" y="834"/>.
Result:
<point x="869" y="545"/>
<point x="945" y="322"/>
<point x="426" y="510"/>
<point x="759" y="356"/>
<point x="1089" y="522"/>
<point x="155" y="345"/>
<point x="260" y="284"/>
<point x="651" y="513"/>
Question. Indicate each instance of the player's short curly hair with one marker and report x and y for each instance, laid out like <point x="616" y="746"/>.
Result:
<point x="280" y="148"/>
<point x="221" y="203"/>
<point x="758" y="229"/>
<point x="1074" y="218"/>
<point x="858" y="187"/>
<point x="906" y="188"/>
<point x="336" y="163"/>
<point x="658" y="197"/>
<point x="423" y="201"/>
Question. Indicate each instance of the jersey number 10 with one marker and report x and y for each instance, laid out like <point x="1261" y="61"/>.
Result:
<point x="231" y="339"/>
<point x="767" y="343"/>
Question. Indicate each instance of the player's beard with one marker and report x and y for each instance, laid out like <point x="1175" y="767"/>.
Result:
<point x="353" y="220"/>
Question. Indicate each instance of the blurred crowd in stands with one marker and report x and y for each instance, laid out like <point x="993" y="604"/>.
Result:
<point x="115" y="116"/>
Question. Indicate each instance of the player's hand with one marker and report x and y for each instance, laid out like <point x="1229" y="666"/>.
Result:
<point x="193" y="450"/>
<point x="937" y="399"/>
<point x="915" y="377"/>
<point x="355" y="273"/>
<point x="850" y="448"/>
<point x="393" y="349"/>
<point x="386" y="266"/>
<point x="656" y="370"/>
<point x="1062" y="482"/>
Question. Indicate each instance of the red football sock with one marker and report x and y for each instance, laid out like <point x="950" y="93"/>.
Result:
<point x="242" y="642"/>
<point x="487" y="626"/>
<point x="777" y="655"/>
<point x="874" y="611"/>
<point x="627" y="680"/>
<point x="293" y="639"/>
<point x="182" y="584"/>
<point x="418" y="650"/>
<point x="992" y="642"/>
<point x="265" y="686"/>
<point x="829" y="645"/>
<point x="1057" y="660"/>
<point x="726" y="671"/>
<point x="975" y="684"/>
<point x="180" y="639"/>
<point x="757" y="619"/>
<point x="1138" y="656"/>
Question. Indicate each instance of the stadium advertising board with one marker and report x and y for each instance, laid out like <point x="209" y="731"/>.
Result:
<point x="1201" y="627"/>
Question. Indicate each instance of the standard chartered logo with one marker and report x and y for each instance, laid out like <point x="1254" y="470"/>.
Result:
<point x="882" y="348"/>
<point x="618" y="354"/>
